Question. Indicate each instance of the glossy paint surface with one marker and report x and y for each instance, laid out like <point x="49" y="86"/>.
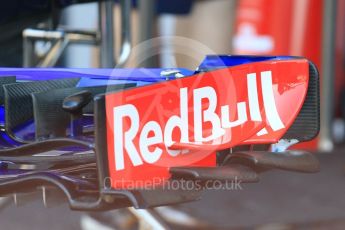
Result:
<point x="250" y="103"/>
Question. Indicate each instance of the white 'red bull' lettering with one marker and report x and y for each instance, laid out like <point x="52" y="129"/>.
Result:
<point x="209" y="114"/>
<point x="145" y="142"/>
<point x="271" y="111"/>
<point x="269" y="103"/>
<point x="126" y="141"/>
<point x="178" y="122"/>
<point x="253" y="98"/>
<point x="241" y="116"/>
<point x="123" y="140"/>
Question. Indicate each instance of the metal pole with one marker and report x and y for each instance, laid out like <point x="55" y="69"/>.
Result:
<point x="126" y="46"/>
<point x="106" y="25"/>
<point x="147" y="20"/>
<point x="28" y="51"/>
<point x="327" y="74"/>
<point x="52" y="57"/>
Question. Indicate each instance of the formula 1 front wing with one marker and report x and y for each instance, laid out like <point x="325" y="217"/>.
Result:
<point x="108" y="139"/>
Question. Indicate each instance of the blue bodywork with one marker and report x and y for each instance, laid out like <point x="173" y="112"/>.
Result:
<point x="220" y="61"/>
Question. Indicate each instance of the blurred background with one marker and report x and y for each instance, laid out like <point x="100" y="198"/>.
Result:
<point x="179" y="33"/>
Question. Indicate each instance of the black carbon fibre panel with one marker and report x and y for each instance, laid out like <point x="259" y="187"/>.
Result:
<point x="50" y="119"/>
<point x="4" y="80"/>
<point x="307" y="124"/>
<point x="18" y="101"/>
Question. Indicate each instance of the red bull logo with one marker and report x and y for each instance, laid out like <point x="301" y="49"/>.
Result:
<point x="184" y="121"/>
